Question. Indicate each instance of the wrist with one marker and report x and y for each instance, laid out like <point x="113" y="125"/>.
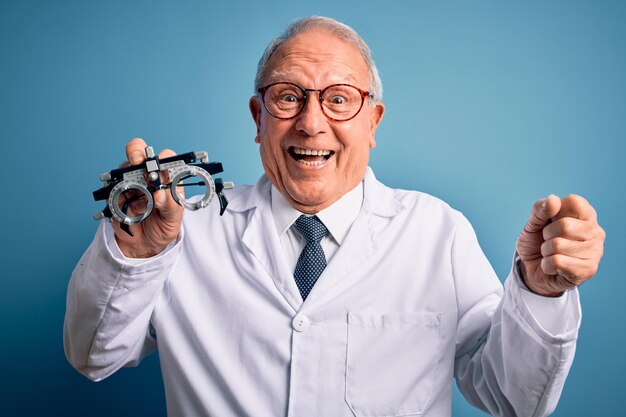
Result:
<point x="523" y="274"/>
<point x="139" y="251"/>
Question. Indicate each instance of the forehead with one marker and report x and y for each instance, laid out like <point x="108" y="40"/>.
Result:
<point x="317" y="56"/>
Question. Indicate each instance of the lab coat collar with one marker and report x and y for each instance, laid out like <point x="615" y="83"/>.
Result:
<point x="337" y="218"/>
<point x="378" y="199"/>
<point x="244" y="201"/>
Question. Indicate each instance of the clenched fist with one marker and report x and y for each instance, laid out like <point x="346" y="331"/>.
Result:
<point x="561" y="245"/>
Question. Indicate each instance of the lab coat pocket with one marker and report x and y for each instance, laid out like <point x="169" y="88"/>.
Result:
<point x="391" y="362"/>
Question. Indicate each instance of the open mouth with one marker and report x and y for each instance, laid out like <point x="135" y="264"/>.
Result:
<point x="310" y="157"/>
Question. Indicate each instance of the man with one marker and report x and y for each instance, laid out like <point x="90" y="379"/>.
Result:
<point x="368" y="308"/>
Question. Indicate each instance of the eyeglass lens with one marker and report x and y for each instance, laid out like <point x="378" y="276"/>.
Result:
<point x="339" y="102"/>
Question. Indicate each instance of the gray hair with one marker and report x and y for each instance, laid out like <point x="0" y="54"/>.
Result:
<point x="335" y="27"/>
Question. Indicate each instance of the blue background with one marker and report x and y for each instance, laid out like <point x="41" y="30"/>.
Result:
<point x="490" y="106"/>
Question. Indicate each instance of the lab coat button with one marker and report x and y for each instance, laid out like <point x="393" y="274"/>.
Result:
<point x="300" y="323"/>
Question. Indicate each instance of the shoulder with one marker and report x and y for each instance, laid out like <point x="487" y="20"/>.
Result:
<point x="431" y="212"/>
<point x="419" y="200"/>
<point x="390" y="202"/>
<point x="415" y="218"/>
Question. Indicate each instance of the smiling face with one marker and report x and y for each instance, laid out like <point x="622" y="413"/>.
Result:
<point x="310" y="159"/>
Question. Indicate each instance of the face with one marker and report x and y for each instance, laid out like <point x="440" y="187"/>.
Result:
<point x="338" y="152"/>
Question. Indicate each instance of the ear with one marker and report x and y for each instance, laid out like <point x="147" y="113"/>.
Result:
<point x="255" y="111"/>
<point x="376" y="115"/>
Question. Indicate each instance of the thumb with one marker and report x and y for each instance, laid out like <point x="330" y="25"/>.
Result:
<point x="543" y="212"/>
<point x="530" y="240"/>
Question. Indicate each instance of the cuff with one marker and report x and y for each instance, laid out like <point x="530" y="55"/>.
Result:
<point x="556" y="316"/>
<point x="116" y="253"/>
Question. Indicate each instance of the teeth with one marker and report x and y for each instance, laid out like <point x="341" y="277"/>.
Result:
<point x="315" y="152"/>
<point x="311" y="163"/>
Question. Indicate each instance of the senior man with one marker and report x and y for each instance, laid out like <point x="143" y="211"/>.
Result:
<point x="322" y="292"/>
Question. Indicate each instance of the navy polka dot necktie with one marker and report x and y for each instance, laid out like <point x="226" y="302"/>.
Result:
<point x="312" y="261"/>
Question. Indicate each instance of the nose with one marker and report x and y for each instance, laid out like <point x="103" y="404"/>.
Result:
<point x="311" y="121"/>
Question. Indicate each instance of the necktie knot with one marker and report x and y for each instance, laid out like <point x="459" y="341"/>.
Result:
<point x="311" y="228"/>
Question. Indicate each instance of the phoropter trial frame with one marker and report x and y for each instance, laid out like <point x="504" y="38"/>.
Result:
<point x="145" y="178"/>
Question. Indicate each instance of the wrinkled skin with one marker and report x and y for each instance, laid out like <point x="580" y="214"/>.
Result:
<point x="316" y="59"/>
<point x="561" y="245"/>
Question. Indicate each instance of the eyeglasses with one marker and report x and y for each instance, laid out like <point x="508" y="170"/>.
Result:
<point x="339" y="102"/>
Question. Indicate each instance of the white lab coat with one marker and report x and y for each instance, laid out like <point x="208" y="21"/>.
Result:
<point x="407" y="302"/>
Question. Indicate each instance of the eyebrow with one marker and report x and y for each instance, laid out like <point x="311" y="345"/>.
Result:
<point x="280" y="76"/>
<point x="288" y="76"/>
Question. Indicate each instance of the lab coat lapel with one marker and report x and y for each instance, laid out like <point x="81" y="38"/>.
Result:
<point x="262" y="241"/>
<point x="357" y="247"/>
<point x="360" y="242"/>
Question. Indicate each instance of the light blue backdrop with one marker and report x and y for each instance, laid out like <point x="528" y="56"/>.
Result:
<point x="490" y="106"/>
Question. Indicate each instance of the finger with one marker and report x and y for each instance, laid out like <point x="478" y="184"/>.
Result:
<point x="573" y="248"/>
<point x="577" y="207"/>
<point x="572" y="229"/>
<point x="162" y="198"/>
<point x="136" y="151"/>
<point x="165" y="153"/>
<point x="542" y="212"/>
<point x="573" y="269"/>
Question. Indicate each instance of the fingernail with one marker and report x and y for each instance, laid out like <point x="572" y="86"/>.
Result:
<point x="543" y="203"/>
<point x="136" y="158"/>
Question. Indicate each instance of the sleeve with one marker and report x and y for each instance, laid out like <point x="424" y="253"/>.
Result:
<point x="508" y="362"/>
<point x="109" y="303"/>
<point x="557" y="315"/>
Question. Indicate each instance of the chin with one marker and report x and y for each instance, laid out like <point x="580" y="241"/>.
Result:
<point x="306" y="200"/>
<point x="311" y="206"/>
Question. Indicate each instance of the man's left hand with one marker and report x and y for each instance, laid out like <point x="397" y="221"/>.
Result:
<point x="561" y="245"/>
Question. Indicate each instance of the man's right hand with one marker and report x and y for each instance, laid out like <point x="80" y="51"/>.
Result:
<point x="155" y="232"/>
